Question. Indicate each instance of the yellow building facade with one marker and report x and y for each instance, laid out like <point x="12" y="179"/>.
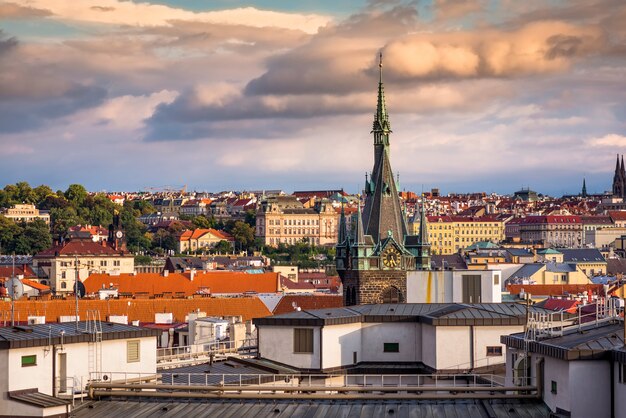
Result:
<point x="449" y="234"/>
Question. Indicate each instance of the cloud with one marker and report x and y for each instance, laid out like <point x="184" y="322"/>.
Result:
<point x="536" y="48"/>
<point x="609" y="141"/>
<point x="118" y="12"/>
<point x="16" y="11"/>
<point x="450" y="9"/>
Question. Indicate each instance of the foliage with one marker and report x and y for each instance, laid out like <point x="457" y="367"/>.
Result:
<point x="301" y="254"/>
<point x="143" y="260"/>
<point x="24" y="238"/>
<point x="243" y="234"/>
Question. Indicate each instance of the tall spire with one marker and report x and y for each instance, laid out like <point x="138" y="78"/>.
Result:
<point x="423" y="234"/>
<point x="622" y="170"/>
<point x="584" y="191"/>
<point x="359" y="235"/>
<point x="343" y="230"/>
<point x="381" y="126"/>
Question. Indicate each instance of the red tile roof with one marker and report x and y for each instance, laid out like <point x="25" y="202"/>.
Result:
<point x="617" y="215"/>
<point x="552" y="219"/>
<point x="307" y="302"/>
<point x="197" y="233"/>
<point x="36" y="285"/>
<point x="214" y="282"/>
<point x="80" y="247"/>
<point x="20" y="270"/>
<point x="561" y="305"/>
<point x="140" y="309"/>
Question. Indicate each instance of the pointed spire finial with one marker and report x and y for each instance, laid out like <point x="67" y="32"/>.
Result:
<point x="380" y="66"/>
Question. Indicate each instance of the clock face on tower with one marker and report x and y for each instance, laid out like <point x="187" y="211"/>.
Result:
<point x="391" y="257"/>
<point x="119" y="234"/>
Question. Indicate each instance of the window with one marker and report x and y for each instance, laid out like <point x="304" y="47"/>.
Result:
<point x="391" y="347"/>
<point x="496" y="279"/>
<point x="553" y="387"/>
<point x="494" y="351"/>
<point x="28" y="361"/>
<point x="132" y="351"/>
<point x="103" y="263"/>
<point x="63" y="285"/>
<point x="116" y="263"/>
<point x="303" y="340"/>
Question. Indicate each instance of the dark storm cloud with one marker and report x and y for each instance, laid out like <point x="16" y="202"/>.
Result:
<point x="20" y="115"/>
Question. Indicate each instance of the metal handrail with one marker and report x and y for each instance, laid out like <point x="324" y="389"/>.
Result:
<point x="307" y="380"/>
<point x="245" y="345"/>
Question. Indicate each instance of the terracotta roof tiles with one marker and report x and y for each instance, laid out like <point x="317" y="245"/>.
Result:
<point x="214" y="282"/>
<point x="140" y="309"/>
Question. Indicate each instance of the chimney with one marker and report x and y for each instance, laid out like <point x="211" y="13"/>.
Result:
<point x="166" y="273"/>
<point x="192" y="274"/>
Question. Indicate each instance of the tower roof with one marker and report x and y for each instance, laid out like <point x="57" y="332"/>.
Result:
<point x="382" y="212"/>
<point x="381" y="123"/>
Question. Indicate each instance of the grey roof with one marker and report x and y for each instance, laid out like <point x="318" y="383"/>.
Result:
<point x="560" y="267"/>
<point x="319" y="408"/>
<point x="519" y="252"/>
<point x="526" y="271"/>
<point x="440" y="314"/>
<point x="46" y="334"/>
<point x="452" y="261"/>
<point x="36" y="398"/>
<point x="590" y="343"/>
<point x="616" y="266"/>
<point x="581" y="255"/>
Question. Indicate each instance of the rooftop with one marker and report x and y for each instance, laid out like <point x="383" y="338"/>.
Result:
<point x="66" y="333"/>
<point x="320" y="408"/>
<point x="440" y="314"/>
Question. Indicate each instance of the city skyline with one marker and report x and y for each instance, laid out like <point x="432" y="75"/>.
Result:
<point x="482" y="96"/>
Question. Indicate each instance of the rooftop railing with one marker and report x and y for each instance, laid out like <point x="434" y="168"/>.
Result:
<point x="284" y="386"/>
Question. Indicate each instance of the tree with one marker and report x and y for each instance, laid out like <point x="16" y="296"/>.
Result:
<point x="38" y="235"/>
<point x="222" y="247"/>
<point x="202" y="222"/>
<point x="9" y="231"/>
<point x="41" y="193"/>
<point x="76" y="194"/>
<point x="62" y="219"/>
<point x="251" y="218"/>
<point x="243" y="234"/>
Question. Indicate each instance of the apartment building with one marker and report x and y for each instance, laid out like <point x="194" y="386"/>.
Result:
<point x="26" y="213"/>
<point x="449" y="234"/>
<point x="284" y="219"/>
<point x="552" y="230"/>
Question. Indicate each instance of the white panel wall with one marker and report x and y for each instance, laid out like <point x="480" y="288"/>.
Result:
<point x="447" y="286"/>
<point x="620" y="390"/>
<point x="406" y="334"/>
<point x="339" y="344"/>
<point x="276" y="344"/>
<point x="557" y="370"/>
<point x="589" y="390"/>
<point x="453" y="347"/>
<point x="429" y="345"/>
<point x="486" y="336"/>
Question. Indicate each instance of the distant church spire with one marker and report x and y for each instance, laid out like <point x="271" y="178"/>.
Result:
<point x="619" y="179"/>
<point x="584" y="191"/>
<point x="381" y="126"/>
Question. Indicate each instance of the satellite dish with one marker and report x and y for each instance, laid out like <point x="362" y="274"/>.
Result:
<point x="81" y="289"/>
<point x="15" y="288"/>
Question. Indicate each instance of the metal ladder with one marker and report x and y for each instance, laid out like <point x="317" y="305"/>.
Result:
<point x="94" y="328"/>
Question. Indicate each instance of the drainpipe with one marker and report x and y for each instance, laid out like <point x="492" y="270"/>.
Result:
<point x="471" y="347"/>
<point x="321" y="346"/>
<point x="54" y="370"/>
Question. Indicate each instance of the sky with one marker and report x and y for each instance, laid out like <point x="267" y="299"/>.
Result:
<point x="483" y="95"/>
